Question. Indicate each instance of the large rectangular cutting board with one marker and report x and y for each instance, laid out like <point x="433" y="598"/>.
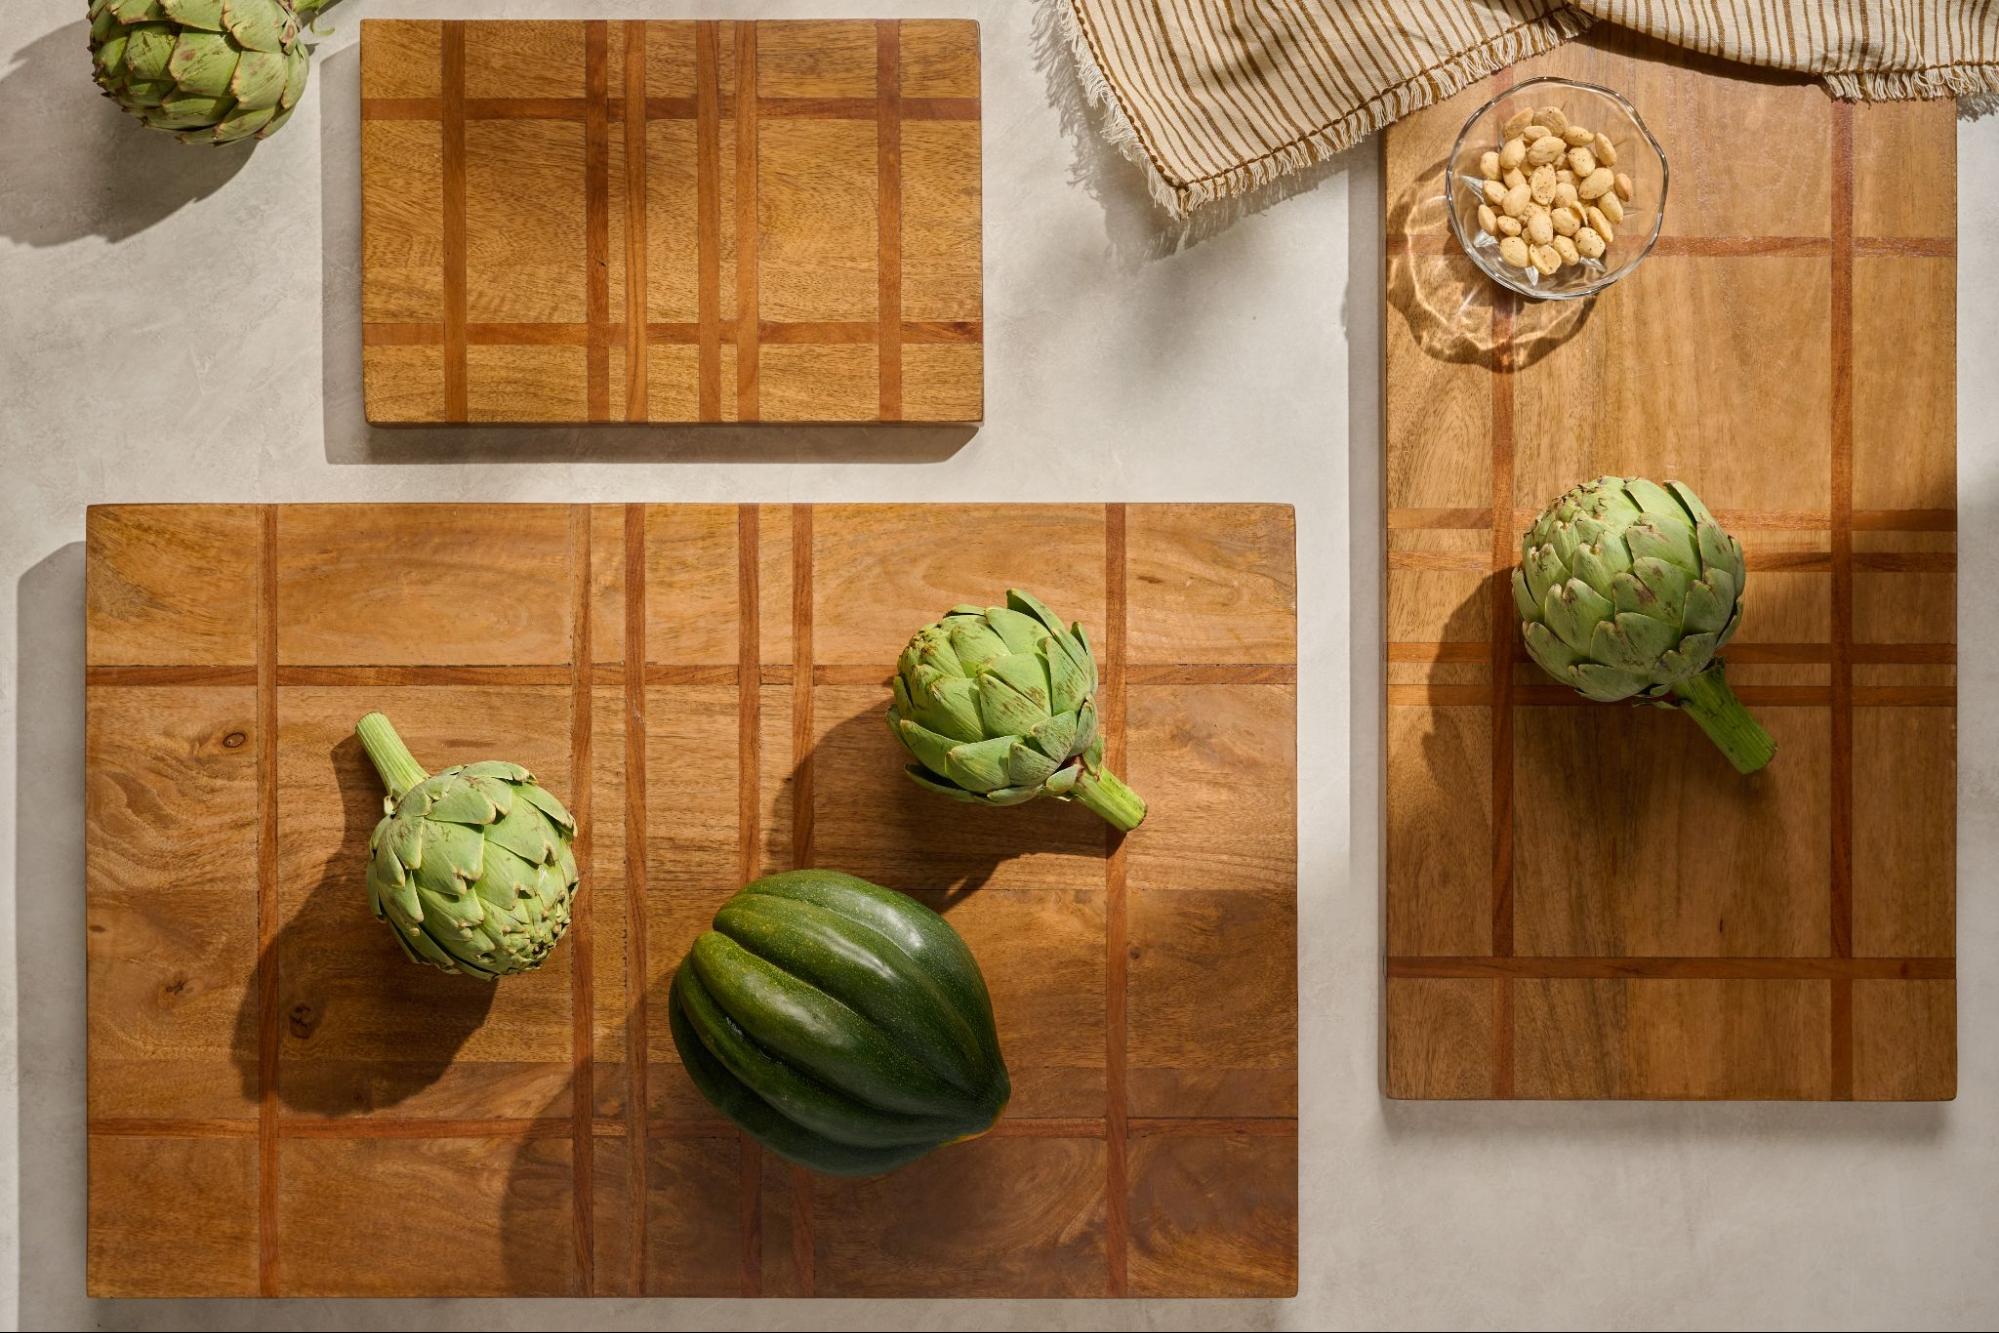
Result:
<point x="280" y="1104"/>
<point x="1584" y="900"/>
<point x="712" y="220"/>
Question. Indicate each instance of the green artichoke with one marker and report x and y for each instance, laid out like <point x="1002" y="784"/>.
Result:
<point x="999" y="706"/>
<point x="219" y="70"/>
<point x="1627" y="590"/>
<point x="471" y="866"/>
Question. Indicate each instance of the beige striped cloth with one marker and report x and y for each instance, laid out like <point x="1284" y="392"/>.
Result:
<point x="1215" y="97"/>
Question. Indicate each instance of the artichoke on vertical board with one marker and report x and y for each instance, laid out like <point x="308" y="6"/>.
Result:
<point x="843" y="1025"/>
<point x="1628" y="590"/>
<point x="999" y="706"/>
<point x="219" y="70"/>
<point x="472" y="866"/>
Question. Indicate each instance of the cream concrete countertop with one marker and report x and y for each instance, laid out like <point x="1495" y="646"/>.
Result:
<point x="181" y="324"/>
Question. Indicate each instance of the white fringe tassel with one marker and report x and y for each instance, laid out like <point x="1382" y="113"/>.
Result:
<point x="1904" y="85"/>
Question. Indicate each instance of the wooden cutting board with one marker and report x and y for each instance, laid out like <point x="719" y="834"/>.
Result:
<point x="570" y="221"/>
<point x="281" y="1105"/>
<point x="1584" y="900"/>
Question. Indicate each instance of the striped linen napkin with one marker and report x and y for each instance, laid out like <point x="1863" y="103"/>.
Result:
<point x="1216" y="97"/>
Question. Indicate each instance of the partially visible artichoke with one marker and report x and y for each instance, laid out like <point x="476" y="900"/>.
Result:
<point x="1627" y="590"/>
<point x="999" y="706"/>
<point x="471" y="866"/>
<point x="219" y="70"/>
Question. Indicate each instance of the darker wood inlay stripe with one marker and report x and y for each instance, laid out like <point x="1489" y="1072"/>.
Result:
<point x="888" y="167"/>
<point x="582" y="959"/>
<point x="637" y="974"/>
<point x="456" y="397"/>
<point x="1841" y="924"/>
<point x="1503" y="629"/>
<point x="749" y="389"/>
<point x="749" y="833"/>
<point x="267" y="906"/>
<point x="802" y="808"/>
<point x="597" y="220"/>
<point x="708" y="217"/>
<point x="636" y="405"/>
<point x="1116" y="959"/>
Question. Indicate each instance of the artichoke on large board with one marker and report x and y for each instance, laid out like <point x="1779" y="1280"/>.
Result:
<point x="1628" y="590"/>
<point x="999" y="706"/>
<point x="471" y="865"/>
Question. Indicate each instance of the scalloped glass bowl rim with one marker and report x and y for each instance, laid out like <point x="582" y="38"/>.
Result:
<point x="1497" y="272"/>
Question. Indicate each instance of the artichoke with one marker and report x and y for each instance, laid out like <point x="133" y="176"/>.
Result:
<point x="471" y="866"/>
<point x="1627" y="590"/>
<point x="998" y="704"/>
<point x="219" y="70"/>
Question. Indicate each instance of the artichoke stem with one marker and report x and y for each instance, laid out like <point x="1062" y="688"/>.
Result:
<point x="1727" y="723"/>
<point x="392" y="759"/>
<point x="1119" y="805"/>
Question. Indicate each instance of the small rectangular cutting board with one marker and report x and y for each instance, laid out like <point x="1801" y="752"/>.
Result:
<point x="567" y="221"/>
<point x="280" y="1104"/>
<point x="1584" y="900"/>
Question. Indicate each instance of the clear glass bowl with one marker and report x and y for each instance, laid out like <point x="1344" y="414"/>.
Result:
<point x="1638" y="155"/>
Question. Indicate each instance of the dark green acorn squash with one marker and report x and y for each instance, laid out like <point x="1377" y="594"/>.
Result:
<point x="843" y="1025"/>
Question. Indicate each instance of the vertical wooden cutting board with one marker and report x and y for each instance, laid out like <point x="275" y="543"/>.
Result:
<point x="280" y="1104"/>
<point x="569" y="221"/>
<point x="1584" y="900"/>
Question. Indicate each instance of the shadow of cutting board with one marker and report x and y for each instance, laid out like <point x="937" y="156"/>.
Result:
<point x="1584" y="900"/>
<point x="570" y="221"/>
<point x="281" y="1105"/>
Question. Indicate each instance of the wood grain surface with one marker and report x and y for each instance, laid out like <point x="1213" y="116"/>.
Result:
<point x="1584" y="900"/>
<point x="638" y="221"/>
<point x="705" y="685"/>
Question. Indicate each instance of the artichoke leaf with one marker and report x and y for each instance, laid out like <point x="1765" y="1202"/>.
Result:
<point x="1027" y="766"/>
<point x="951" y="708"/>
<point x="1652" y="498"/>
<point x="933" y="750"/>
<point x="1020" y="632"/>
<point x="1573" y="610"/>
<point x="454" y="857"/>
<point x="494" y="768"/>
<point x="1064" y="780"/>
<point x="1011" y="795"/>
<point x="526" y="832"/>
<point x="1666" y="582"/>
<point x="1019" y="599"/>
<point x="1055" y="736"/>
<point x="148" y="48"/>
<point x="1006" y="708"/>
<point x="1706" y="610"/>
<point x="980" y="766"/>
<point x="203" y="63"/>
<point x="542" y="799"/>
<point x="405" y="840"/>
<point x="1549" y="652"/>
<point x="1649" y="638"/>
<point x="975" y="643"/>
<point x="1523" y="597"/>
<point x="943" y="787"/>
<point x="203" y="14"/>
<point x="1605" y="684"/>
<point x="463" y="802"/>
<point x="258" y="25"/>
<point x="179" y="111"/>
<point x="1666" y="539"/>
<point x="138" y="11"/>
